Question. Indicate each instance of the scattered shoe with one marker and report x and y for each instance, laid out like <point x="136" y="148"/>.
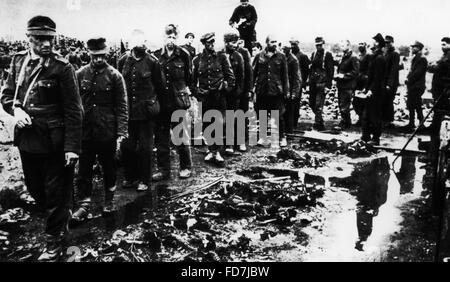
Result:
<point x="219" y="158"/>
<point x="242" y="148"/>
<point x="52" y="251"/>
<point x="185" y="173"/>
<point x="142" y="187"/>
<point x="82" y="213"/>
<point x="159" y="176"/>
<point x="229" y="151"/>
<point x="283" y="143"/>
<point x="209" y="157"/>
<point x="374" y="142"/>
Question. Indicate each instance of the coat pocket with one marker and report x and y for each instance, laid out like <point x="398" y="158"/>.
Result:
<point x="152" y="106"/>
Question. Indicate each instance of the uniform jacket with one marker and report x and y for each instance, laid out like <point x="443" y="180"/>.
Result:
<point x="271" y="75"/>
<point x="210" y="71"/>
<point x="248" y="70"/>
<point x="349" y="66"/>
<point x="54" y="104"/>
<point x="144" y="82"/>
<point x="295" y="80"/>
<point x="105" y="103"/>
<point x="304" y="63"/>
<point x="417" y="73"/>
<point x="322" y="71"/>
<point x="177" y="73"/>
<point x="191" y="50"/>
<point x="364" y="62"/>
<point x="377" y="75"/>
<point x="237" y="65"/>
<point x="441" y="76"/>
<point x="392" y="68"/>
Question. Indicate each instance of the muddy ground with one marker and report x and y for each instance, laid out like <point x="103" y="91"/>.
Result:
<point x="311" y="202"/>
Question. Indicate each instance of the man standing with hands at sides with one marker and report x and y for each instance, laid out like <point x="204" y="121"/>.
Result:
<point x="42" y="94"/>
<point x="320" y="81"/>
<point x="247" y="92"/>
<point x="271" y="84"/>
<point x="415" y="84"/>
<point x="237" y="65"/>
<point x="375" y="91"/>
<point x="346" y="76"/>
<point x="293" y="104"/>
<point x="361" y="81"/>
<point x="392" y="80"/>
<point x="213" y="80"/>
<point x="105" y="124"/>
<point x="145" y="88"/>
<point x="304" y="63"/>
<point x="177" y="72"/>
<point x="244" y="19"/>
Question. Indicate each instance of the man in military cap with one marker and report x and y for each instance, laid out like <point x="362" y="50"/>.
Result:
<point x="176" y="65"/>
<point x="213" y="80"/>
<point x="271" y="77"/>
<point x="188" y="46"/>
<point x="237" y="64"/>
<point x="244" y="18"/>
<point x="145" y="88"/>
<point x="375" y="91"/>
<point x="105" y="125"/>
<point x="392" y="79"/>
<point x="292" y="105"/>
<point x="320" y="80"/>
<point x="42" y="94"/>
<point x="415" y="83"/>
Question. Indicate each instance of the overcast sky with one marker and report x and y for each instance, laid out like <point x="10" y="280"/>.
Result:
<point x="357" y="20"/>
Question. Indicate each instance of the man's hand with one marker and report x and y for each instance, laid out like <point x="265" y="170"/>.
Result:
<point x="327" y="90"/>
<point x="388" y="88"/>
<point x="339" y="76"/>
<point x="369" y="94"/>
<point x="119" y="141"/>
<point x="71" y="158"/>
<point x="22" y="118"/>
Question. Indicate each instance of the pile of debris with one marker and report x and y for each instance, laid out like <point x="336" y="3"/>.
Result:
<point x="200" y="227"/>
<point x="354" y="149"/>
<point x="299" y="161"/>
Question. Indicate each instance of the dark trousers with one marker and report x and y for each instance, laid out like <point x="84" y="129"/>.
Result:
<point x="137" y="151"/>
<point x="388" y="105"/>
<point x="249" y="36"/>
<point x="50" y="183"/>
<point x="292" y="114"/>
<point x="105" y="151"/>
<point x="162" y="142"/>
<point x="317" y="100"/>
<point x="270" y="103"/>
<point x="372" y="118"/>
<point x="345" y="100"/>
<point x="414" y="104"/>
<point x="215" y="100"/>
<point x="244" y="106"/>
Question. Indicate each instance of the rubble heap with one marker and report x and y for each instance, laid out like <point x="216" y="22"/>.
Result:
<point x="354" y="149"/>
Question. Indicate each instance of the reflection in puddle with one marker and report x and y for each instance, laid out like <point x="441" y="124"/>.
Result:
<point x="362" y="231"/>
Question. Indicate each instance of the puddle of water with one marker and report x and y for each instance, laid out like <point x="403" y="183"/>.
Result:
<point x="362" y="231"/>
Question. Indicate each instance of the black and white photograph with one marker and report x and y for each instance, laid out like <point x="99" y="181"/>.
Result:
<point x="224" y="131"/>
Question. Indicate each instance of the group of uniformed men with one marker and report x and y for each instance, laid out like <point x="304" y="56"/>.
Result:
<point x="63" y="116"/>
